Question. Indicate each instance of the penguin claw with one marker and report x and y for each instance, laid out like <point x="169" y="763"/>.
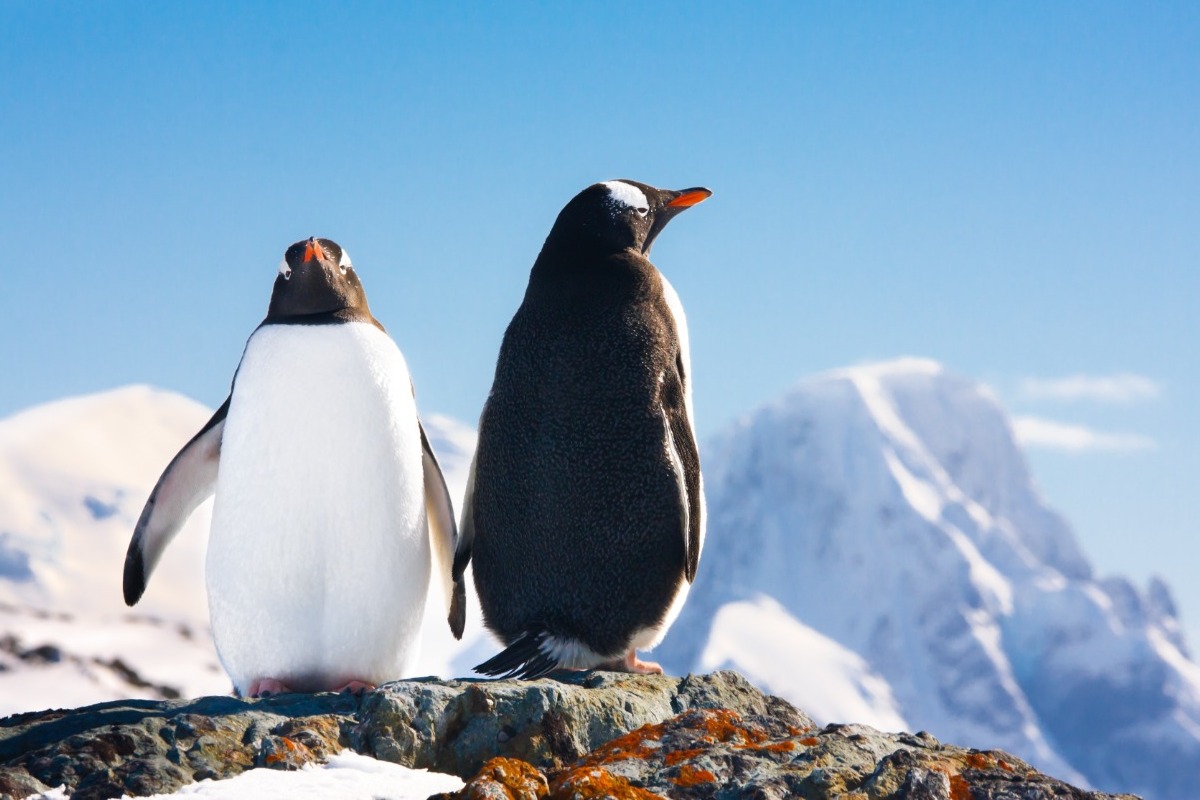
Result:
<point x="267" y="687"/>
<point x="631" y="663"/>
<point x="356" y="688"/>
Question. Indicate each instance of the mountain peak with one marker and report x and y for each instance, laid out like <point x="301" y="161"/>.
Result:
<point x="889" y="508"/>
<point x="903" y="366"/>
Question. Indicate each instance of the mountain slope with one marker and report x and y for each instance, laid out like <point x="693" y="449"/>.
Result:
<point x="889" y="508"/>
<point x="74" y="475"/>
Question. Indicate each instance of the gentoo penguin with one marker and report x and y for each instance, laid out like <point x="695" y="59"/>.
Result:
<point x="330" y="504"/>
<point x="584" y="510"/>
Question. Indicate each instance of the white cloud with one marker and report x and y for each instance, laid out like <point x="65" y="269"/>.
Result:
<point x="1051" y="435"/>
<point x="1121" y="388"/>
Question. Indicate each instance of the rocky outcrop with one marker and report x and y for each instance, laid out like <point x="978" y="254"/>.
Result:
<point x="716" y="753"/>
<point x="579" y="736"/>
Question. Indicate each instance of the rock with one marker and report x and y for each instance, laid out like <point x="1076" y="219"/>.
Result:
<point x="456" y="726"/>
<point x="717" y="753"/>
<point x="574" y="735"/>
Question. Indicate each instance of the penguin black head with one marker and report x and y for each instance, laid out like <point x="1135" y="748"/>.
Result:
<point x="620" y="214"/>
<point x="317" y="278"/>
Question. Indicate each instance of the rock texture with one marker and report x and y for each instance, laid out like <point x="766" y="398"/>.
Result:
<point x="716" y="753"/>
<point x="579" y="736"/>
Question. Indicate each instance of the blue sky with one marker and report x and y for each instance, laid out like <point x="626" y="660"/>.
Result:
<point x="1010" y="188"/>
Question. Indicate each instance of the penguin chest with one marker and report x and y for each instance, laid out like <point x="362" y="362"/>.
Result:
<point x="318" y="561"/>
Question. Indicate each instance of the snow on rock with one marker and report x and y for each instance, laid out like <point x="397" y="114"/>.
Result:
<point x="890" y="509"/>
<point x="347" y="776"/>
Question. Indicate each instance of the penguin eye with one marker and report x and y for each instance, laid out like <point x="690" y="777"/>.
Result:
<point x="642" y="211"/>
<point x="285" y="270"/>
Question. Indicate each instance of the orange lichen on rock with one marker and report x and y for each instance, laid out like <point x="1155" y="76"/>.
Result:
<point x="978" y="760"/>
<point x="722" y="725"/>
<point x="959" y="788"/>
<point x="592" y="783"/>
<point x="984" y="760"/>
<point x="679" y="756"/>
<point x="282" y="752"/>
<point x="290" y="749"/>
<point x="692" y="776"/>
<point x="640" y="743"/>
<point x="506" y="777"/>
<point x="809" y="741"/>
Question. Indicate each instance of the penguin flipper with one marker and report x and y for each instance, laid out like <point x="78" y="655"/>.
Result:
<point x="466" y="538"/>
<point x="524" y="658"/>
<point x="443" y="537"/>
<point x="686" y="457"/>
<point x="189" y="480"/>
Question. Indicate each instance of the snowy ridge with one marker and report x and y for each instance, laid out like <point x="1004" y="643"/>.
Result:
<point x="890" y="509"/>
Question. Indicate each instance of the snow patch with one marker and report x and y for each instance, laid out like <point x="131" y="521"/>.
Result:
<point x="347" y="776"/>
<point x="783" y="656"/>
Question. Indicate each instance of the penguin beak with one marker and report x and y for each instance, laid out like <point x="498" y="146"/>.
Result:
<point x="313" y="249"/>
<point x="679" y="200"/>
<point x="690" y="197"/>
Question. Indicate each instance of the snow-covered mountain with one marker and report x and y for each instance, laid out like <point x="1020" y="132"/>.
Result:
<point x="889" y="509"/>
<point x="73" y="477"/>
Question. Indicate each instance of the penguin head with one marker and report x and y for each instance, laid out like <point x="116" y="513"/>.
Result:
<point x="316" y="277"/>
<point x="620" y="215"/>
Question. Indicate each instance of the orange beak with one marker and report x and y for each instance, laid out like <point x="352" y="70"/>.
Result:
<point x="312" y="249"/>
<point x="690" y="197"/>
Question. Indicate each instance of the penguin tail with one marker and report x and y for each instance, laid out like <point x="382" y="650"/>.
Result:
<point x="525" y="658"/>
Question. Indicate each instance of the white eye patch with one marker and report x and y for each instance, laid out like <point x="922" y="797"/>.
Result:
<point x="628" y="195"/>
<point x="344" y="261"/>
<point x="284" y="269"/>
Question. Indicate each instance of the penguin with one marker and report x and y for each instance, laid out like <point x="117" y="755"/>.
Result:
<point x="584" y="511"/>
<point x="330" y="504"/>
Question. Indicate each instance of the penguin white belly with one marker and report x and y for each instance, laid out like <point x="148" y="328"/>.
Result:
<point x="318" y="560"/>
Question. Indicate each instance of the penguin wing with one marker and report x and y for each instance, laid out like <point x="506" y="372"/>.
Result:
<point x="188" y="481"/>
<point x="443" y="537"/>
<point x="685" y="455"/>
<point x="466" y="529"/>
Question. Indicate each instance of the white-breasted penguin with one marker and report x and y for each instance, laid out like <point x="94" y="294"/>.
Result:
<point x="584" y="511"/>
<point x="330" y="504"/>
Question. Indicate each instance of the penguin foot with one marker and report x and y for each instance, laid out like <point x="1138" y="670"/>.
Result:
<point x="631" y="663"/>
<point x="267" y="687"/>
<point x="356" y="688"/>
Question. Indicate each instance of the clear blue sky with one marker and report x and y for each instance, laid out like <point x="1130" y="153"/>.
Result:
<point x="1010" y="188"/>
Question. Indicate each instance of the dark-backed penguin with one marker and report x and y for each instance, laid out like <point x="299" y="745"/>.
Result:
<point x="330" y="504"/>
<point x="584" y="510"/>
